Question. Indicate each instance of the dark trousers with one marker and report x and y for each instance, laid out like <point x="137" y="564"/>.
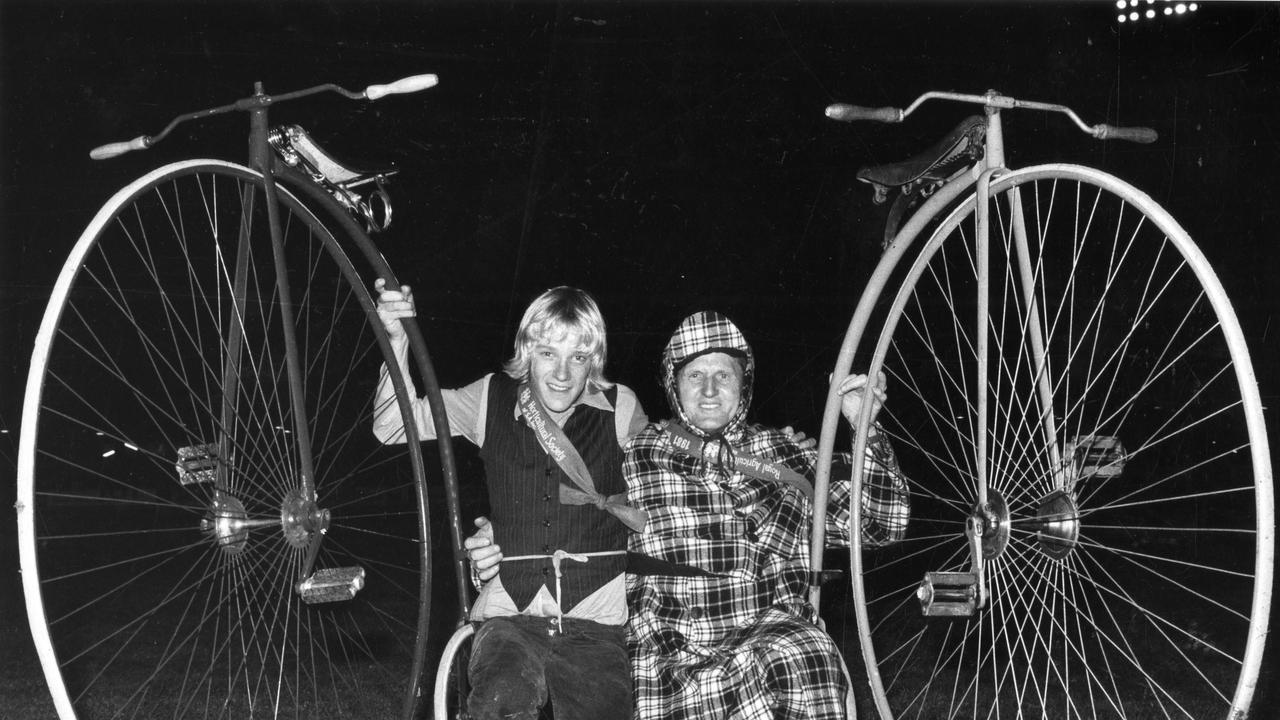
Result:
<point x="517" y="662"/>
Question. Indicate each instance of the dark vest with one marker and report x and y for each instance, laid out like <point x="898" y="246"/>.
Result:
<point x="524" y="499"/>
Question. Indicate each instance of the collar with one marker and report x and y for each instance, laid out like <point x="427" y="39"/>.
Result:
<point x="593" y="396"/>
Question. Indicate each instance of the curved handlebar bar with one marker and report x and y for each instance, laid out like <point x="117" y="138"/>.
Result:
<point x="850" y="113"/>
<point x="411" y="84"/>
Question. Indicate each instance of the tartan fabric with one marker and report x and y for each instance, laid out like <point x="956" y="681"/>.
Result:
<point x="740" y="642"/>
<point x="701" y="333"/>
<point x="886" y="506"/>
<point x="778" y="667"/>
<point x="698" y="643"/>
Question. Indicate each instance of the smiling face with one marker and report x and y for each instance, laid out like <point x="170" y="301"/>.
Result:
<point x="558" y="370"/>
<point x="710" y="389"/>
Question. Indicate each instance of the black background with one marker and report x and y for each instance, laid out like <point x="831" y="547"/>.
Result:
<point x="667" y="157"/>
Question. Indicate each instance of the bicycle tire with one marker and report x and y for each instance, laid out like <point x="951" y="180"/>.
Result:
<point x="142" y="599"/>
<point x="1135" y="573"/>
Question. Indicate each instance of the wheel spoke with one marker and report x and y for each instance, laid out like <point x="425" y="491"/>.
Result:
<point x="170" y="572"/>
<point x="1120" y="444"/>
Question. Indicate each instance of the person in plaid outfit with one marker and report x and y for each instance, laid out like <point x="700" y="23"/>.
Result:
<point x="720" y="625"/>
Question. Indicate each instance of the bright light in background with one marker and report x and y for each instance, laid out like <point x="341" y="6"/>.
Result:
<point x="108" y="453"/>
<point x="1130" y="12"/>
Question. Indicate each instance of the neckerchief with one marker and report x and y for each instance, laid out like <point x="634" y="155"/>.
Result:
<point x="557" y="446"/>
<point x="687" y="443"/>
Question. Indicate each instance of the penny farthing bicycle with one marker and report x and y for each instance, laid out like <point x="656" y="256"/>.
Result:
<point x="207" y="526"/>
<point x="1072" y="401"/>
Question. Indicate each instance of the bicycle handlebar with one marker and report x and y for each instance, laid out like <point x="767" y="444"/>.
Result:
<point x="110" y="150"/>
<point x="1144" y="135"/>
<point x="851" y="113"/>
<point x="405" y="85"/>
<point x="411" y="84"/>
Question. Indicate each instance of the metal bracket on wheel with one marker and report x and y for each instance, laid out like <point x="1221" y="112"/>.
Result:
<point x="331" y="585"/>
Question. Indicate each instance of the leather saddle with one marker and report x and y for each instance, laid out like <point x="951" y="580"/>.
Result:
<point x="957" y="151"/>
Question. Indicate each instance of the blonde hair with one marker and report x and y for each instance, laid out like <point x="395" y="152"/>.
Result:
<point x="551" y="316"/>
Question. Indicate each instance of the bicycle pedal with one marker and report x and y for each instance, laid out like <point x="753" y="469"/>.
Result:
<point x="1095" y="456"/>
<point x="197" y="464"/>
<point x="948" y="594"/>
<point x="331" y="585"/>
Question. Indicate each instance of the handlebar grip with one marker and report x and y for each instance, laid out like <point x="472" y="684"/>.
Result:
<point x="1144" y="135"/>
<point x="849" y="113"/>
<point x="410" y="84"/>
<point x="110" y="150"/>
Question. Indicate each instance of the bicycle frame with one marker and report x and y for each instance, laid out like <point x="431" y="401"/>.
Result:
<point x="263" y="159"/>
<point x="305" y="524"/>
<point x="978" y="178"/>
<point x="959" y="214"/>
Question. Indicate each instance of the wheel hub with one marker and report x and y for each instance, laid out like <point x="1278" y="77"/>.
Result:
<point x="227" y="522"/>
<point x="1059" y="522"/>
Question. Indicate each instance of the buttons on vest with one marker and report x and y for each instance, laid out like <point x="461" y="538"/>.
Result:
<point x="546" y="497"/>
<point x="546" y="523"/>
<point x="549" y="471"/>
<point x="546" y="549"/>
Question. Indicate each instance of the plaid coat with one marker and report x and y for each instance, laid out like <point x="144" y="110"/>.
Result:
<point x="738" y="640"/>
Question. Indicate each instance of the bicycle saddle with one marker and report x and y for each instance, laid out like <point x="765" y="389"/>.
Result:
<point x="956" y="151"/>
<point x="294" y="143"/>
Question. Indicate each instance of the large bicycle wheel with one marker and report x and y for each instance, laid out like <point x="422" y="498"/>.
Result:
<point x="1127" y="526"/>
<point x="164" y="528"/>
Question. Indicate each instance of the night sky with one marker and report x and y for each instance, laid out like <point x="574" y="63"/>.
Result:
<point x="667" y="157"/>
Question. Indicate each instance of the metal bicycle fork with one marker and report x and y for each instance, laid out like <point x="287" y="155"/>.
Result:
<point x="302" y="522"/>
<point x="988" y="525"/>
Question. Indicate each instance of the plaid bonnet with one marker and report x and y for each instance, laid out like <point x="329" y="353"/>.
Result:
<point x="701" y="333"/>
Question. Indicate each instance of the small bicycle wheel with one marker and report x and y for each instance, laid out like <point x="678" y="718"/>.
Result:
<point x="163" y="526"/>
<point x="1127" y="527"/>
<point x="449" y="696"/>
